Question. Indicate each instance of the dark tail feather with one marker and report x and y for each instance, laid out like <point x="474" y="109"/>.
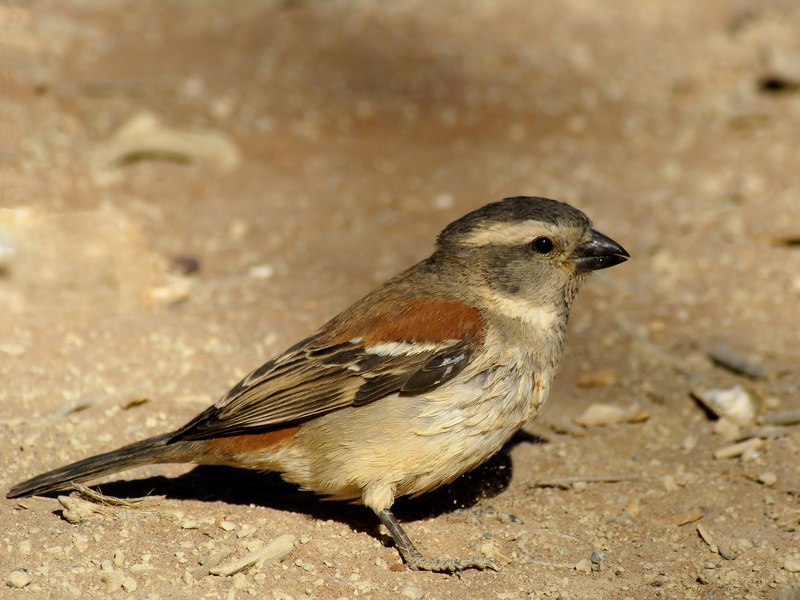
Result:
<point x="153" y="450"/>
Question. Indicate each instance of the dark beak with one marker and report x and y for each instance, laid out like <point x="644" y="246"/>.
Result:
<point x="600" y="252"/>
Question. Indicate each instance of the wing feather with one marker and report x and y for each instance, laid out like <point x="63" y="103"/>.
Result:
<point x="323" y="373"/>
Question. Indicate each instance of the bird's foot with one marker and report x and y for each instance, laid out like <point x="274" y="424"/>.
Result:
<point x="417" y="562"/>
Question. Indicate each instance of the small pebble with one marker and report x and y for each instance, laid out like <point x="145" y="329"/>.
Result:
<point x="750" y="453"/>
<point x="783" y="70"/>
<point x="112" y="579"/>
<point x="129" y="584"/>
<point x="579" y="486"/>
<point x="184" y="264"/>
<point x="724" y="356"/>
<point x="562" y="427"/>
<point x="598" y="379"/>
<point x="782" y="417"/>
<point x="276" y="550"/>
<point x="74" y="510"/>
<point x="768" y="478"/>
<point x="738" y="449"/>
<point x="682" y="518"/>
<point x="726" y="429"/>
<point x="443" y="201"/>
<point x="238" y="229"/>
<point x="668" y="481"/>
<point x="584" y="566"/>
<point x="707" y="538"/>
<point x="261" y="272"/>
<point x="209" y="563"/>
<point x="227" y="525"/>
<point x="245" y="530"/>
<point x="609" y="414"/>
<point x="726" y="552"/>
<point x="488" y="549"/>
<point x="767" y="432"/>
<point x="600" y="414"/>
<point x="144" y="135"/>
<point x="792" y="565"/>
<point x="240" y="581"/>
<point x="412" y="591"/>
<point x="19" y="578"/>
<point x="736" y="404"/>
<point x="622" y="518"/>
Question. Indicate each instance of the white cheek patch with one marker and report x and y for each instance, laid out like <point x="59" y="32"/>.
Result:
<point x="535" y="316"/>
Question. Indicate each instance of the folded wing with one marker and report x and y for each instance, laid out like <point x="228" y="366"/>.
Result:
<point x="409" y="349"/>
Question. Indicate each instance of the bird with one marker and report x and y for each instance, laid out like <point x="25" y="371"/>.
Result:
<point x="422" y="380"/>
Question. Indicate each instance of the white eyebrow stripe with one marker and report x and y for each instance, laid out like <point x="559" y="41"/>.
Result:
<point x="508" y="233"/>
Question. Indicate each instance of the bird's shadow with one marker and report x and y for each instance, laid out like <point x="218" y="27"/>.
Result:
<point x="244" y="487"/>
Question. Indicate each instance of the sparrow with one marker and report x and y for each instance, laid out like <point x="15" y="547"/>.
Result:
<point x="420" y="381"/>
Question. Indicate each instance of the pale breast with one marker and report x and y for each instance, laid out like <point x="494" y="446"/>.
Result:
<point x="406" y="445"/>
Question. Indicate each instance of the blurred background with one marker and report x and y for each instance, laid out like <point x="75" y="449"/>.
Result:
<point x="189" y="187"/>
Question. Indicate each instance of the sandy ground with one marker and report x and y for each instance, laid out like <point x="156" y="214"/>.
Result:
<point x="300" y="153"/>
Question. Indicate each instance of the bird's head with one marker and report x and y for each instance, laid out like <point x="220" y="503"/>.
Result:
<point x="526" y="251"/>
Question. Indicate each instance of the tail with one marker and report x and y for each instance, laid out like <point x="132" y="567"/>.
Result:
<point x="153" y="450"/>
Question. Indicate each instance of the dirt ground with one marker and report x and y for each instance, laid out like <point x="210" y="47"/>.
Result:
<point x="189" y="187"/>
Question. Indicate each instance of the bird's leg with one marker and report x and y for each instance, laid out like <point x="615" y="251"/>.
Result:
<point x="414" y="558"/>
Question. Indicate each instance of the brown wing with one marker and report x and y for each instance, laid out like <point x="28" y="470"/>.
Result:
<point x="342" y="366"/>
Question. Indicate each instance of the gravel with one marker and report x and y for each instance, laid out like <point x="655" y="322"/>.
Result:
<point x="18" y="578"/>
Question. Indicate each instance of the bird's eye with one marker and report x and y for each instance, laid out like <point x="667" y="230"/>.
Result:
<point x="542" y="245"/>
